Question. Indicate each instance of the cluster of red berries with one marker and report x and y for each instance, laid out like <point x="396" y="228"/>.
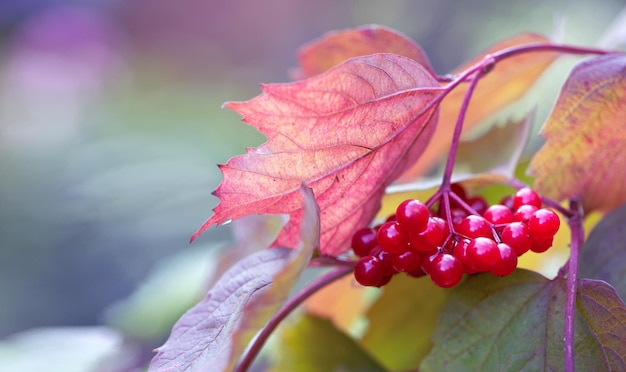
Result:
<point x="473" y="237"/>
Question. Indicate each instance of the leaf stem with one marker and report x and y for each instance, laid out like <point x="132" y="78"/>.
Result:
<point x="577" y="238"/>
<point x="287" y="308"/>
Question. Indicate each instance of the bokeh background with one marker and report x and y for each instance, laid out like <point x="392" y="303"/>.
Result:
<point x="111" y="129"/>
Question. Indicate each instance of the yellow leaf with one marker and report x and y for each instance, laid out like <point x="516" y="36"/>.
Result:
<point x="585" y="151"/>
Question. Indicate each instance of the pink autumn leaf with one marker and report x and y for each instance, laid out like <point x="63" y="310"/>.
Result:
<point x="347" y="134"/>
<point x="336" y="47"/>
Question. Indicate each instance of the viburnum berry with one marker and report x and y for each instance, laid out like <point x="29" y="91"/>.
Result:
<point x="406" y="262"/>
<point x="507" y="201"/>
<point x="391" y="218"/>
<point x="524" y="212"/>
<point x="474" y="226"/>
<point x="478" y="204"/>
<point x="543" y="224"/>
<point x="482" y="253"/>
<point x="460" y="252"/>
<point x="427" y="261"/>
<point x="385" y="257"/>
<point x="498" y="214"/>
<point x="541" y="245"/>
<point x="369" y="271"/>
<point x="417" y="273"/>
<point x="430" y="238"/>
<point x="363" y="241"/>
<point x="526" y="196"/>
<point x="392" y="238"/>
<point x="445" y="270"/>
<point x="517" y="236"/>
<point x="457" y="214"/>
<point x="412" y="215"/>
<point x="419" y="241"/>
<point x="507" y="262"/>
<point x="385" y="281"/>
<point x="459" y="191"/>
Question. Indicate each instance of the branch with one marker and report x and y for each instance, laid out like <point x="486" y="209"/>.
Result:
<point x="577" y="238"/>
<point x="281" y="314"/>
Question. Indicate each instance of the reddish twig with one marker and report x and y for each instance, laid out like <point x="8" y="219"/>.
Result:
<point x="287" y="308"/>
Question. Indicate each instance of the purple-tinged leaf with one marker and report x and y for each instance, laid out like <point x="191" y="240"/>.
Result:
<point x="605" y="314"/>
<point x="516" y="323"/>
<point x="602" y="256"/>
<point x="212" y="335"/>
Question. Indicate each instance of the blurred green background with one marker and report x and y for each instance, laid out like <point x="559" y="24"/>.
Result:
<point x="111" y="129"/>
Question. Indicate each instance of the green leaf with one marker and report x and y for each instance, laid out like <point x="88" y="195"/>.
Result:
<point x="516" y="323"/>
<point x="602" y="256"/>
<point x="314" y="344"/>
<point x="214" y="333"/>
<point x="402" y="320"/>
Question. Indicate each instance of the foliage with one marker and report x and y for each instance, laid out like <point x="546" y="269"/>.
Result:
<point x="369" y="111"/>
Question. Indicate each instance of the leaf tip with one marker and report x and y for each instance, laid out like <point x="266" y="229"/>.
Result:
<point x="208" y="223"/>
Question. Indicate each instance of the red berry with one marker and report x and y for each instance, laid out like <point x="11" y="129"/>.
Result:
<point x="541" y="245"/>
<point x="363" y="241"/>
<point x="543" y="224"/>
<point x="460" y="252"/>
<point x="507" y="263"/>
<point x="517" y="236"/>
<point x="474" y="226"/>
<point x="406" y="262"/>
<point x="385" y="258"/>
<point x="412" y="215"/>
<point x="457" y="215"/>
<point x="478" y="204"/>
<point x="432" y="237"/>
<point x="386" y="279"/>
<point x="526" y="196"/>
<point x="446" y="271"/>
<point x="507" y="201"/>
<point x="392" y="238"/>
<point x="368" y="271"/>
<point x="524" y="212"/>
<point x="459" y="190"/>
<point x="482" y="253"/>
<point x="498" y="214"/>
<point x="418" y="273"/>
<point x="427" y="261"/>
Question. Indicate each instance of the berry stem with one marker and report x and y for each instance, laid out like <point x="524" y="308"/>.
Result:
<point x="287" y="308"/>
<point x="458" y="128"/>
<point x="577" y="238"/>
<point x="547" y="47"/>
<point x="480" y="69"/>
